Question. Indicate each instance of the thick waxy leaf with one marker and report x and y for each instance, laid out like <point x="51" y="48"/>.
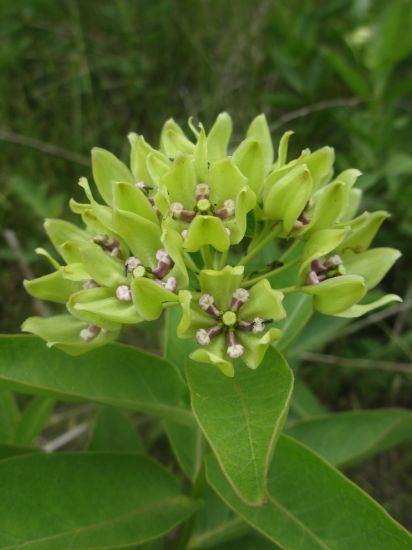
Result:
<point x="83" y="501"/>
<point x="8" y="450"/>
<point x="241" y="418"/>
<point x="116" y="375"/>
<point x="113" y="430"/>
<point x="312" y="506"/>
<point x="350" y="437"/>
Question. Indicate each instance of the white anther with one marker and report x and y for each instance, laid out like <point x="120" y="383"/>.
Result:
<point x="141" y="185"/>
<point x="241" y="294"/>
<point x="202" y="337"/>
<point x="89" y="284"/>
<point x="235" y="351"/>
<point x="229" y="204"/>
<point x="132" y="262"/>
<point x="89" y="333"/>
<point x="334" y="260"/>
<point x="184" y="233"/>
<point x="205" y="301"/>
<point x="312" y="278"/>
<point x="258" y="325"/>
<point x="171" y="284"/>
<point x="115" y="251"/>
<point x="163" y="256"/>
<point x="176" y="208"/>
<point x="123" y="293"/>
<point x="228" y="232"/>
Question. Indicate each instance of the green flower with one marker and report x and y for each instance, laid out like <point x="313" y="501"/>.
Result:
<point x="209" y="212"/>
<point x="229" y="321"/>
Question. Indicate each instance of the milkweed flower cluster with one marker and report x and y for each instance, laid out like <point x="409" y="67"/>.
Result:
<point x="201" y="227"/>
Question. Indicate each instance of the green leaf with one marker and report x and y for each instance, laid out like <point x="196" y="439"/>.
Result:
<point x="241" y="418"/>
<point x="313" y="506"/>
<point x="9" y="415"/>
<point x="114" y="430"/>
<point x="33" y="419"/>
<point x="216" y="524"/>
<point x="353" y="78"/>
<point x="304" y="402"/>
<point x="116" y="375"/>
<point x="347" y="438"/>
<point x="7" y="451"/>
<point x="84" y="501"/>
<point x="187" y="442"/>
<point x="299" y="311"/>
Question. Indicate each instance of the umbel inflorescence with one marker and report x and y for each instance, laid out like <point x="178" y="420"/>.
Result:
<point x="198" y="226"/>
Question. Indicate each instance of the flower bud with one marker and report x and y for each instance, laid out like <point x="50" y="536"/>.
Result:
<point x="123" y="293"/>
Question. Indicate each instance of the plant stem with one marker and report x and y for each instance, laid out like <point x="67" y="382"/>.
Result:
<point x="197" y="491"/>
<point x="260" y="245"/>
<point x="275" y="271"/>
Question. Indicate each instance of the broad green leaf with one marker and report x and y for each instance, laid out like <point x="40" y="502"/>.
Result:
<point x="87" y="500"/>
<point x="347" y="438"/>
<point x="215" y="524"/>
<point x="113" y="430"/>
<point x="9" y="415"/>
<point x="8" y="450"/>
<point x="320" y="330"/>
<point x="304" y="402"/>
<point x="299" y="311"/>
<point x="249" y="542"/>
<point x="241" y="418"/>
<point x="117" y="375"/>
<point x="187" y="442"/>
<point x="33" y="419"/>
<point x="313" y="506"/>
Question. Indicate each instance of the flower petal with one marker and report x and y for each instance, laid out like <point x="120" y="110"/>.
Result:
<point x="215" y="354"/>
<point x="372" y="264"/>
<point x="180" y="181"/>
<point x="256" y="345"/>
<point x="130" y="198"/>
<point x="193" y="317"/>
<point x="249" y="158"/>
<point x="205" y="230"/>
<point x="54" y="287"/>
<point x="105" y="270"/>
<point x="63" y="332"/>
<point x="107" y="170"/>
<point x="320" y="243"/>
<point x="173" y="140"/>
<point x="337" y="294"/>
<point x="245" y="202"/>
<point x="259" y="131"/>
<point x="264" y="302"/>
<point x="221" y="284"/>
<point x="149" y="297"/>
<point x="225" y="181"/>
<point x="219" y="136"/>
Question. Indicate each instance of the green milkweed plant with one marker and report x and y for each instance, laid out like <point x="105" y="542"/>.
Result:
<point x="237" y="248"/>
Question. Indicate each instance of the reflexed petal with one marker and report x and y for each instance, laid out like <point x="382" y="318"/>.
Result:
<point x="204" y="230"/>
<point x="256" y="345"/>
<point x="173" y="244"/>
<point x="201" y="156"/>
<point x="264" y="302"/>
<point x="283" y="150"/>
<point x="337" y="294"/>
<point x="360" y="309"/>
<point x="320" y="165"/>
<point x="219" y="136"/>
<point x="181" y="181"/>
<point x="287" y="197"/>
<point x="102" y="268"/>
<point x="140" y="154"/>
<point x="173" y="140"/>
<point x="157" y="165"/>
<point x="63" y="332"/>
<point x="53" y="287"/>
<point x="329" y="203"/>
<point x="130" y="198"/>
<point x="221" y="284"/>
<point x="149" y="297"/>
<point x="215" y="354"/>
<point x="107" y="170"/>
<point x="141" y="235"/>
<point x="225" y="181"/>
<point x="354" y="199"/>
<point x="372" y="264"/>
<point x="99" y="306"/>
<point x="363" y="230"/>
<point x="259" y="131"/>
<point x="60" y="231"/>
<point x="245" y="202"/>
<point x="320" y="243"/>
<point x="248" y="157"/>
<point x="193" y="317"/>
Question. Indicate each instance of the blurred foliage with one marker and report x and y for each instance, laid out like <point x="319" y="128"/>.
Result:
<point x="77" y="74"/>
